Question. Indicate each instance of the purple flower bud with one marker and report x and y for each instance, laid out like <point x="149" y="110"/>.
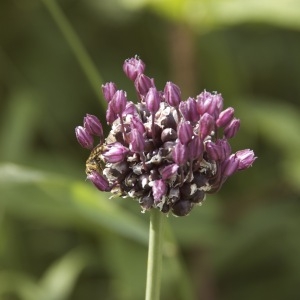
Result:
<point x="188" y="109"/>
<point x="245" y="158"/>
<point x="84" y="138"/>
<point x="232" y="128"/>
<point x="111" y="116"/>
<point x="214" y="151"/>
<point x="159" y="189"/>
<point x="204" y="101"/>
<point x="206" y="125"/>
<point x="92" y="125"/>
<point x="179" y="154"/>
<point x="108" y="90"/>
<point x="118" y="102"/>
<point x="184" y="110"/>
<point x="116" y="153"/>
<point x="137" y="123"/>
<point x="195" y="148"/>
<point x="185" y="132"/>
<point x="152" y="100"/>
<point x="168" y="171"/>
<point x="219" y="103"/>
<point x="130" y="109"/>
<point x="172" y="94"/>
<point x="230" y="166"/>
<point x="209" y="103"/>
<point x="137" y="141"/>
<point x="143" y="83"/>
<point x="225" y="147"/>
<point x="99" y="181"/>
<point x="225" y="117"/>
<point x="132" y="67"/>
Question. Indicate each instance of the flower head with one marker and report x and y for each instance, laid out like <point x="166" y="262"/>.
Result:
<point x="165" y="152"/>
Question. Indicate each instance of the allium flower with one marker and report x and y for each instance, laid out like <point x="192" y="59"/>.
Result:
<point x="165" y="152"/>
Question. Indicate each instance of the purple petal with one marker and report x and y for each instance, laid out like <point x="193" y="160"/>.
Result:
<point x="84" y="138"/>
<point x="152" y="100"/>
<point x="159" y="189"/>
<point x="143" y="83"/>
<point x="245" y="158"/>
<point x="108" y="90"/>
<point x="225" y="117"/>
<point x="232" y="128"/>
<point x="99" y="181"/>
<point x="133" y="67"/>
<point x="185" y="132"/>
<point x="93" y="125"/>
<point x="168" y="171"/>
<point x="195" y="148"/>
<point x="230" y="166"/>
<point x="206" y="125"/>
<point x="137" y="141"/>
<point x="172" y="94"/>
<point x="116" y="153"/>
<point x="118" y="102"/>
<point x="179" y="154"/>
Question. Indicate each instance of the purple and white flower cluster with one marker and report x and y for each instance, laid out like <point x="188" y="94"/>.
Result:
<point x="163" y="151"/>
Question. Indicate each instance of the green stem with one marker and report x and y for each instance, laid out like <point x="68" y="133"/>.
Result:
<point x="76" y="46"/>
<point x="154" y="266"/>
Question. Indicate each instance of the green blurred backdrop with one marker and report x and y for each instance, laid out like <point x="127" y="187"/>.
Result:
<point x="60" y="238"/>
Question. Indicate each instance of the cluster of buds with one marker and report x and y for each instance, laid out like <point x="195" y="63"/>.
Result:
<point x="165" y="152"/>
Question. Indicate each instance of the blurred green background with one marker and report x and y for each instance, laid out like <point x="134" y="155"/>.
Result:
<point x="59" y="237"/>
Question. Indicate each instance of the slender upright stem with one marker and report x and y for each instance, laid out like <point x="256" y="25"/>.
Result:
<point x="76" y="46"/>
<point x="154" y="266"/>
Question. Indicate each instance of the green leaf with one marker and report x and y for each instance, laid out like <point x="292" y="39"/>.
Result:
<point x="31" y="193"/>
<point x="208" y="14"/>
<point x="105" y="212"/>
<point x="60" y="278"/>
<point x="22" y="285"/>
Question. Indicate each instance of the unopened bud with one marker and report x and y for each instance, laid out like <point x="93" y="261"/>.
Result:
<point x="118" y="102"/>
<point x="168" y="171"/>
<point x="232" y="128"/>
<point x="108" y="90"/>
<point x="143" y="83"/>
<point x="230" y="166"/>
<point x="132" y="67"/>
<point x="152" y="100"/>
<point x="84" y="138"/>
<point x="225" y="117"/>
<point x="137" y="141"/>
<point x="99" y="181"/>
<point x="206" y="125"/>
<point x="195" y="148"/>
<point x="179" y="154"/>
<point x="172" y="94"/>
<point x="116" y="153"/>
<point x="245" y="158"/>
<point x="93" y="125"/>
<point x="188" y="109"/>
<point x="185" y="132"/>
<point x="159" y="189"/>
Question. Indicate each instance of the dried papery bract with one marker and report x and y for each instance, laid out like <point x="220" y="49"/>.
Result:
<point x="165" y="152"/>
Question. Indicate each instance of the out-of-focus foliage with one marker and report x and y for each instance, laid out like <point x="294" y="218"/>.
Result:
<point x="62" y="239"/>
<point x="209" y="14"/>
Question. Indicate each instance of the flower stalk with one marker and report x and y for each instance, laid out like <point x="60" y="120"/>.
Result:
<point x="155" y="252"/>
